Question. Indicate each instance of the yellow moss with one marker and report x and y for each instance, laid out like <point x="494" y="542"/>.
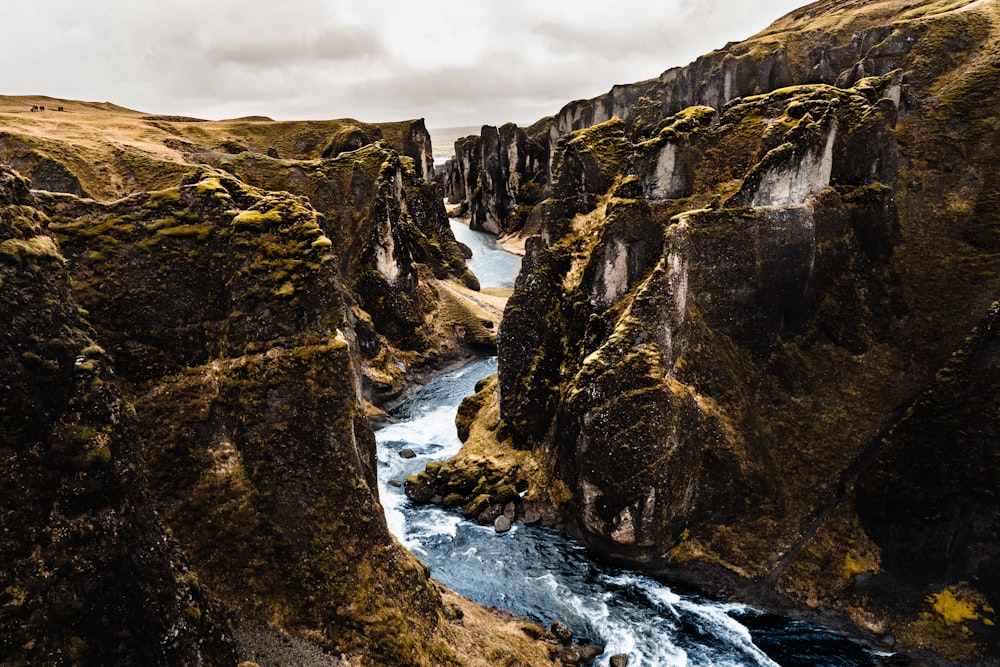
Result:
<point x="287" y="289"/>
<point x="200" y="232"/>
<point x="192" y="612"/>
<point x="559" y="493"/>
<point x="859" y="564"/>
<point x="210" y="184"/>
<point x="951" y="608"/>
<point x="37" y="246"/>
<point x="256" y="219"/>
<point x="168" y="196"/>
<point x="92" y="350"/>
<point x="321" y="242"/>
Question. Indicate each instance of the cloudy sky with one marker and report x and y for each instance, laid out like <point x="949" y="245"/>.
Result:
<point x="453" y="62"/>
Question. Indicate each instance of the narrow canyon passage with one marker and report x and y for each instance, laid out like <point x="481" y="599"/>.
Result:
<point x="536" y="573"/>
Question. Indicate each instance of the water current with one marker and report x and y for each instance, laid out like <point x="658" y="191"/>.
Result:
<point x="536" y="573"/>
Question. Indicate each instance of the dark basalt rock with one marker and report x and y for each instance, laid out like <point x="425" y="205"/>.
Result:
<point x="498" y="175"/>
<point x="932" y="489"/>
<point x="224" y="308"/>
<point x="767" y="63"/>
<point x="726" y="337"/>
<point x="483" y="492"/>
<point x="89" y="573"/>
<point x="562" y="633"/>
<point x="501" y="524"/>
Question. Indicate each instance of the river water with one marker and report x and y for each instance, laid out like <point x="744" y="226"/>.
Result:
<point x="536" y="573"/>
<point x="494" y="266"/>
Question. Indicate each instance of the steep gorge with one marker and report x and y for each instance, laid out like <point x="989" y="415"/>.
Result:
<point x="189" y="376"/>
<point x="766" y="362"/>
<point x="766" y="282"/>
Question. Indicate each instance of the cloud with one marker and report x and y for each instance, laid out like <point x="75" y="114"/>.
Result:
<point x="452" y="61"/>
<point x="615" y="42"/>
<point x="286" y="49"/>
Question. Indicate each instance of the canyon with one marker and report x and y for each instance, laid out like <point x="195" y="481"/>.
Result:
<point x="767" y="290"/>
<point x="751" y="349"/>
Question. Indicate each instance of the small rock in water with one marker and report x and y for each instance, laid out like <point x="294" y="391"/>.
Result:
<point x="419" y="488"/>
<point x="620" y="660"/>
<point x="570" y="655"/>
<point x="562" y="633"/>
<point x="589" y="652"/>
<point x="501" y="524"/>
<point x="531" y="517"/>
<point x="407" y="453"/>
<point x="395" y="482"/>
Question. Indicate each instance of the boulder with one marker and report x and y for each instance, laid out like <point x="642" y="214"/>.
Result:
<point x="588" y="652"/>
<point x="561" y="632"/>
<point x="420" y="488"/>
<point x="501" y="524"/>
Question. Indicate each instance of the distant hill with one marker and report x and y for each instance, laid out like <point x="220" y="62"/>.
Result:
<point x="105" y="151"/>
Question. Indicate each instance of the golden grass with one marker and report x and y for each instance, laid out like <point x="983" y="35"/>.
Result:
<point x="95" y="136"/>
<point x="486" y="637"/>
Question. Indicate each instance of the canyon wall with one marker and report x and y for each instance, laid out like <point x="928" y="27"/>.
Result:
<point x="90" y="575"/>
<point x="189" y="376"/>
<point x="750" y="346"/>
<point x="797" y="49"/>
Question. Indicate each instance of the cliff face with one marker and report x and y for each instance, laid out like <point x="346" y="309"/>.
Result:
<point x="390" y="237"/>
<point x="255" y="311"/>
<point x="499" y="175"/>
<point x="746" y="307"/>
<point x="89" y="575"/>
<point x="224" y="305"/>
<point x="821" y="43"/>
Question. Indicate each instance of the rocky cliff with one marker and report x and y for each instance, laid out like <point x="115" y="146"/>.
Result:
<point x="766" y="294"/>
<point x="90" y="575"/>
<point x="214" y="495"/>
<point x="499" y="175"/>
<point x="824" y="42"/>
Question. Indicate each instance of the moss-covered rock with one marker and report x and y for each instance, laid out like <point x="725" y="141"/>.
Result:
<point x="90" y="575"/>
<point x="224" y="303"/>
<point x="722" y="318"/>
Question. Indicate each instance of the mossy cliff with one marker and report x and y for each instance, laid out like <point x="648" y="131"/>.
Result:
<point x="224" y="306"/>
<point x="498" y="175"/>
<point x="718" y="345"/>
<point x="389" y="233"/>
<point x="824" y="42"/>
<point x="89" y="573"/>
<point x="250" y="333"/>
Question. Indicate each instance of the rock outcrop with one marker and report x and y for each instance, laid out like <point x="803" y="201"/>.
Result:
<point x="89" y="573"/>
<point x="797" y="49"/>
<point x="499" y="175"/>
<point x="732" y="346"/>
<point x="390" y="236"/>
<point x="224" y="305"/>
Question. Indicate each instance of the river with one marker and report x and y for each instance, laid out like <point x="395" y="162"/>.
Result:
<point x="536" y="573"/>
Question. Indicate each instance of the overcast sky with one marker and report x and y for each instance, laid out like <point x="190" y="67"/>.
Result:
<point x="453" y="62"/>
